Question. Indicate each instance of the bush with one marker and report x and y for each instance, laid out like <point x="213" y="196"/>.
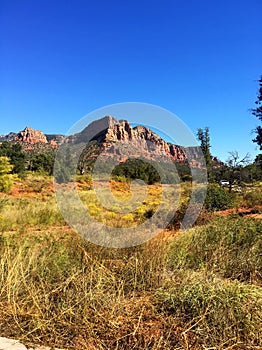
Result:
<point x="228" y="246"/>
<point x="83" y="179"/>
<point x="137" y="169"/>
<point x="15" y="154"/>
<point x="253" y="197"/>
<point x="43" y="163"/>
<point x="216" y="312"/>
<point x="217" y="197"/>
<point x="6" y="181"/>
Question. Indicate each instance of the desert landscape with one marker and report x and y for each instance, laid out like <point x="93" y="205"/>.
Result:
<point x="130" y="175"/>
<point x="183" y="289"/>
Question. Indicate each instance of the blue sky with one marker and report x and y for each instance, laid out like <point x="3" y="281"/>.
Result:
<point x="201" y="60"/>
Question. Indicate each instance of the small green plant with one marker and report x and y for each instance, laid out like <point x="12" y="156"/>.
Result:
<point x="83" y="179"/>
<point x="6" y="179"/>
<point x="253" y="197"/>
<point x="3" y="202"/>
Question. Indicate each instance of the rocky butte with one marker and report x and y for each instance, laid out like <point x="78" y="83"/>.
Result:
<point x="119" y="140"/>
<point x="116" y="139"/>
<point x="30" y="137"/>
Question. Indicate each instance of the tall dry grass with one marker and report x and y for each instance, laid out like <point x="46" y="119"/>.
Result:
<point x="195" y="289"/>
<point x="57" y="289"/>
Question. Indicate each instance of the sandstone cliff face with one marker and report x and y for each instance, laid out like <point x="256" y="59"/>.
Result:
<point x="31" y="136"/>
<point x="115" y="139"/>
<point x="140" y="141"/>
<point x="120" y="141"/>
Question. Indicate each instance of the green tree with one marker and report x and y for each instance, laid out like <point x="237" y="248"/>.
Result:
<point x="137" y="169"/>
<point x="6" y="179"/>
<point x="15" y="154"/>
<point x="43" y="163"/>
<point x="204" y="138"/>
<point x="214" y="198"/>
<point x="255" y="169"/>
<point x="258" y="161"/>
<point x="257" y="112"/>
<point x="65" y="165"/>
<point x="235" y="165"/>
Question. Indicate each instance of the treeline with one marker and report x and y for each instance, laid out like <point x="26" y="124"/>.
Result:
<point x="21" y="161"/>
<point x="236" y="173"/>
<point x="234" y="170"/>
<point x="136" y="169"/>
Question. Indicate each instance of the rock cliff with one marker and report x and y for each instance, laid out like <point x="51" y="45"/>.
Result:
<point x="115" y="139"/>
<point x="119" y="140"/>
<point x="31" y="136"/>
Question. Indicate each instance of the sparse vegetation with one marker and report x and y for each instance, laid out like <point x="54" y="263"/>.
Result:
<point x="193" y="289"/>
<point x="230" y="247"/>
<point x="6" y="179"/>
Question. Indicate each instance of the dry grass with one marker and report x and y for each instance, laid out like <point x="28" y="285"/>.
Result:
<point x="198" y="289"/>
<point x="230" y="247"/>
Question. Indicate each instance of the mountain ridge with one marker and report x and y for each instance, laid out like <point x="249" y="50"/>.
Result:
<point x="106" y="135"/>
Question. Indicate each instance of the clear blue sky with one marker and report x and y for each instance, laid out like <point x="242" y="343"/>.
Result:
<point x="200" y="59"/>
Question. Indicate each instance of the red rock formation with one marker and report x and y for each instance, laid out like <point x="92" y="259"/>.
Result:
<point x="141" y="142"/>
<point x="118" y="140"/>
<point x="31" y="136"/>
<point x="53" y="144"/>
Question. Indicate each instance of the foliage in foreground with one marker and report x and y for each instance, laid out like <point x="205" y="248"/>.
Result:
<point x="214" y="198"/>
<point x="195" y="289"/>
<point x="214" y="312"/>
<point x="6" y="179"/>
<point x="231" y="247"/>
<point x="16" y="155"/>
<point x="169" y="293"/>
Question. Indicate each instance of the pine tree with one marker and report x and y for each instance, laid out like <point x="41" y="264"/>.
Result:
<point x="257" y="112"/>
<point x="204" y="138"/>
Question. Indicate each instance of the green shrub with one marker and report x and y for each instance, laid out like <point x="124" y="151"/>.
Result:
<point x="43" y="163"/>
<point x="3" y="202"/>
<point x="216" y="312"/>
<point x="137" y="169"/>
<point x="6" y="179"/>
<point x="253" y="197"/>
<point x="228" y="246"/>
<point x="83" y="179"/>
<point x="6" y="183"/>
<point x="15" y="154"/>
<point x="214" y="197"/>
<point x="119" y="178"/>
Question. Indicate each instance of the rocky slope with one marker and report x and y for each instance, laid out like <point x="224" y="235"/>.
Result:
<point x="119" y="140"/>
<point x="30" y="135"/>
<point x="116" y="139"/>
<point x="33" y="139"/>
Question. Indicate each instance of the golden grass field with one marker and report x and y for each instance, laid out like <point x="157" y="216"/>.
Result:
<point x="194" y="289"/>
